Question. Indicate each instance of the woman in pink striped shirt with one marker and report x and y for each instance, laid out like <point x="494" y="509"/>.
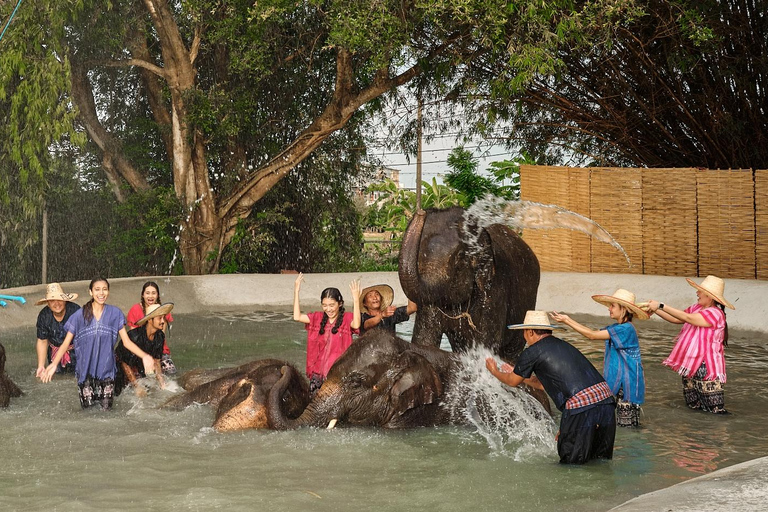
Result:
<point x="699" y="349"/>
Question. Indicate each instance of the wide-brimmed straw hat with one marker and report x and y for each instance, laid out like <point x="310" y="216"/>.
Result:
<point x="54" y="292"/>
<point x="624" y="298"/>
<point x="155" y="310"/>
<point x="536" y="320"/>
<point x="714" y="287"/>
<point x="386" y="292"/>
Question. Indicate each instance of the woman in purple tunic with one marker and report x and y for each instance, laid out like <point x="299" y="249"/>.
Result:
<point x="94" y="330"/>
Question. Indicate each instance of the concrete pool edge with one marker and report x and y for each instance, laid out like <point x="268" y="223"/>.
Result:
<point x="563" y="291"/>
<point x="739" y="487"/>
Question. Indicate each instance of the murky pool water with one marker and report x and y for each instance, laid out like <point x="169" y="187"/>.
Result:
<point x="57" y="457"/>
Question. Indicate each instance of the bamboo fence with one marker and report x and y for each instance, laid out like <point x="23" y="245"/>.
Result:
<point x="686" y="221"/>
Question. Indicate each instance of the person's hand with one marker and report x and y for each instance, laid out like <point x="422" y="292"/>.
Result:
<point x="507" y="368"/>
<point x="490" y="364"/>
<point x="653" y="306"/>
<point x="39" y="372"/>
<point x="149" y="365"/>
<point x="297" y="283"/>
<point x="559" y="317"/>
<point x="354" y="287"/>
<point x="47" y="374"/>
<point x="389" y="311"/>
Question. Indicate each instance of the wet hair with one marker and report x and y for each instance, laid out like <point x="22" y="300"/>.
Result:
<point x="725" y="333"/>
<point x="144" y="288"/>
<point x="88" y="308"/>
<point x="335" y="294"/>
<point x="542" y="331"/>
<point x="628" y="315"/>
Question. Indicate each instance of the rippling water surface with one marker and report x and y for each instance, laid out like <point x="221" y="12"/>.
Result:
<point x="57" y="457"/>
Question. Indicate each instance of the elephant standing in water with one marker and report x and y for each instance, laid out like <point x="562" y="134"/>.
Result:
<point x="382" y="380"/>
<point x="469" y="282"/>
<point x="8" y="388"/>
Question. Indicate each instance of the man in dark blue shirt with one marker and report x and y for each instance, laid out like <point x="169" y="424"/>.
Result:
<point x="587" y="424"/>
<point x="50" y="328"/>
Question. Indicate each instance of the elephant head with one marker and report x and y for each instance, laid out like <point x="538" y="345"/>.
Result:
<point x="245" y="404"/>
<point x="469" y="282"/>
<point x="381" y="380"/>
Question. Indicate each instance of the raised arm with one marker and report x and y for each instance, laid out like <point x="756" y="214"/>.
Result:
<point x="677" y="316"/>
<point x="297" y="314"/>
<point x="354" y="287"/>
<point x="412" y="307"/>
<point x="579" y="328"/>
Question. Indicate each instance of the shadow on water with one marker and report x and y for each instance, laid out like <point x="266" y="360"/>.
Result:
<point x="137" y="457"/>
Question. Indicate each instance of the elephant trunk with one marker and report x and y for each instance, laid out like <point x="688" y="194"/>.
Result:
<point x="409" y="257"/>
<point x="311" y="417"/>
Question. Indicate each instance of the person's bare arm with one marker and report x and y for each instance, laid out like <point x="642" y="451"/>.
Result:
<point x="297" y="314"/>
<point x="41" y="347"/>
<point x="585" y="331"/>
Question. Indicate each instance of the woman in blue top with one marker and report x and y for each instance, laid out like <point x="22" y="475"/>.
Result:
<point x="94" y="330"/>
<point x="622" y="368"/>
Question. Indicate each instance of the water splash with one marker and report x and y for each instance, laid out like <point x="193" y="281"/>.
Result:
<point x="512" y="422"/>
<point x="530" y="215"/>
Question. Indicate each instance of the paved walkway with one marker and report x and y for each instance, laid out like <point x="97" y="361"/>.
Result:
<point x="742" y="488"/>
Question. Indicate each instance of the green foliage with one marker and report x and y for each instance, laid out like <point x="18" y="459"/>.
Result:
<point x="395" y="206"/>
<point x="472" y="186"/>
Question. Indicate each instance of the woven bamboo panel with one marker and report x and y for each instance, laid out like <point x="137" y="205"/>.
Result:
<point x="548" y="185"/>
<point x="761" y="223"/>
<point x="669" y="222"/>
<point x="726" y="212"/>
<point x="567" y="188"/>
<point x="616" y="204"/>
<point x="581" y="243"/>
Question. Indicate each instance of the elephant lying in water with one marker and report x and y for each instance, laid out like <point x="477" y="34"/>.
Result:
<point x="381" y="380"/>
<point x="240" y="394"/>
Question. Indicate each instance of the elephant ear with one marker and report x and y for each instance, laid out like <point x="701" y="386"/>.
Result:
<point x="416" y="385"/>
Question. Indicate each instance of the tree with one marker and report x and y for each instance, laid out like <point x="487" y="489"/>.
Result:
<point x="222" y="100"/>
<point x="681" y="85"/>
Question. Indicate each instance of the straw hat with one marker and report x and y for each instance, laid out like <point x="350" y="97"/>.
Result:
<point x="386" y="292"/>
<point x="714" y="287"/>
<point x="624" y="298"/>
<point x="535" y="320"/>
<point x="54" y="292"/>
<point x="155" y="310"/>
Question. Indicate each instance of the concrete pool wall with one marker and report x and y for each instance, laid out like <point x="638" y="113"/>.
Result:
<point x="562" y="291"/>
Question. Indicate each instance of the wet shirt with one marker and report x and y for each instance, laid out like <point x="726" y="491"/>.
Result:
<point x="561" y="368"/>
<point x="622" y="367"/>
<point x="388" y="322"/>
<point x="50" y="329"/>
<point x="324" y="349"/>
<point x="153" y="347"/>
<point x="94" y="343"/>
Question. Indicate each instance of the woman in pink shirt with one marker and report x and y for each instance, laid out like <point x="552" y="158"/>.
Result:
<point x="699" y="349"/>
<point x="329" y="332"/>
<point x="150" y="294"/>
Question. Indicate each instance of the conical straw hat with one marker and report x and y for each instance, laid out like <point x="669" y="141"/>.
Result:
<point x="54" y="292"/>
<point x="535" y="320"/>
<point x="626" y="299"/>
<point x="714" y="287"/>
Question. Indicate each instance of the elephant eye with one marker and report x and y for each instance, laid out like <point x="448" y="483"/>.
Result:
<point x="357" y="379"/>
